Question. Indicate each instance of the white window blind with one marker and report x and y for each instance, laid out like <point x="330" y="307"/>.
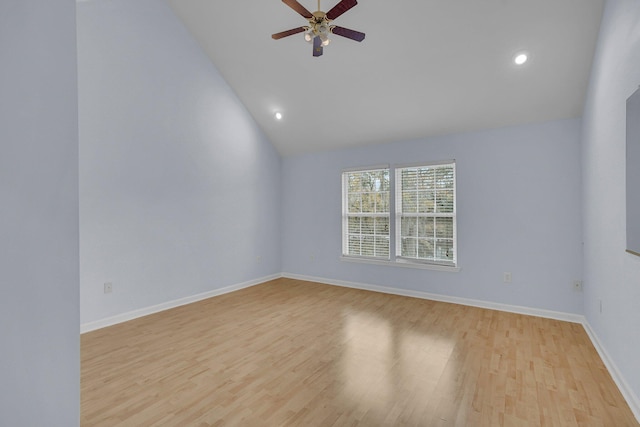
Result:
<point x="365" y="213"/>
<point x="425" y="215"/>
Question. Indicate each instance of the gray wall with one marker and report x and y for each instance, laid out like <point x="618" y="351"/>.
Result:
<point x="518" y="205"/>
<point x="179" y="188"/>
<point x="39" y="307"/>
<point x="612" y="277"/>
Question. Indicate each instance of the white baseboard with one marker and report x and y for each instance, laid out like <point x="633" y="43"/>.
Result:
<point x="632" y="399"/>
<point x="557" y="315"/>
<point x="110" y="321"/>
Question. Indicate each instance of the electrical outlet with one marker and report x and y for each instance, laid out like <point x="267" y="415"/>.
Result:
<point x="577" y="285"/>
<point x="506" y="277"/>
<point x="259" y="259"/>
<point x="108" y="287"/>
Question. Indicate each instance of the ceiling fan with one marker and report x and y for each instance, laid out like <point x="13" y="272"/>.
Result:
<point x="320" y="27"/>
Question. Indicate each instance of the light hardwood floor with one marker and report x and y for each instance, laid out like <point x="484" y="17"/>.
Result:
<point x="294" y="353"/>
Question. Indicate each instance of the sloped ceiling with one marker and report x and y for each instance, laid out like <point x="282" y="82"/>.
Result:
<point x="426" y="67"/>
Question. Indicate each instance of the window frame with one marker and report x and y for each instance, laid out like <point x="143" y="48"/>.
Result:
<point x="346" y="214"/>
<point x="398" y="214"/>
<point x="394" y="258"/>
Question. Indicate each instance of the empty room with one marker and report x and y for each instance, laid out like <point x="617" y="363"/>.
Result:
<point x="319" y="213"/>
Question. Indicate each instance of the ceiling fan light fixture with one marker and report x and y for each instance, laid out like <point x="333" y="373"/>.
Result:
<point x="308" y="35"/>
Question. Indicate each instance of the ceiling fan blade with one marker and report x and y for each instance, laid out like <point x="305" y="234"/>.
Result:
<point x="350" y="34"/>
<point x="288" y="33"/>
<point x="293" y="4"/>
<point x="340" y="8"/>
<point x="317" y="46"/>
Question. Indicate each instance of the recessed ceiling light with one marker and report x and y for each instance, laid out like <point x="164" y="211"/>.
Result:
<point x="520" y="58"/>
<point x="278" y="115"/>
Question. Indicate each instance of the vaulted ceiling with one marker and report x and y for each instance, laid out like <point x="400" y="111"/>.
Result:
<point x="425" y="68"/>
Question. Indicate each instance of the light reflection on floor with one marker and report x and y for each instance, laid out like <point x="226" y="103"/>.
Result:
<point x="367" y="358"/>
<point x="379" y="363"/>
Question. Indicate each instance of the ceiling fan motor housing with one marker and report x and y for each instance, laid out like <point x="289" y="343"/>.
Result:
<point x="319" y="26"/>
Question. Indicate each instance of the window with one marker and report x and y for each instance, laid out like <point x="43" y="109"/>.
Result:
<point x="417" y="226"/>
<point x="365" y="213"/>
<point x="426" y="213"/>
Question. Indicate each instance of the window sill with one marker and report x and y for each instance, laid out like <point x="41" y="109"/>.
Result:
<point x="400" y="263"/>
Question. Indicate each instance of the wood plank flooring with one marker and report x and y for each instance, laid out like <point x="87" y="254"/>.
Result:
<point x="294" y="353"/>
